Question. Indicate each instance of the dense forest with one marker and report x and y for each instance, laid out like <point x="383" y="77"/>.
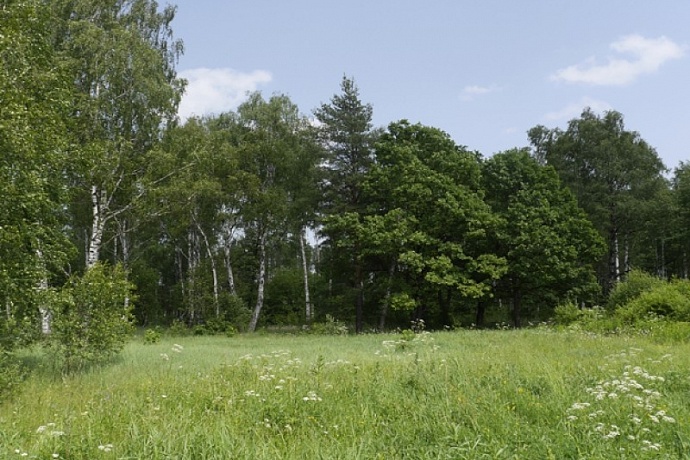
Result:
<point x="267" y="216"/>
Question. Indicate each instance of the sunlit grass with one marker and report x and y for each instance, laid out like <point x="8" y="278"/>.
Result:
<point x="467" y="394"/>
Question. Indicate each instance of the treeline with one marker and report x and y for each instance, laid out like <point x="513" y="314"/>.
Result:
<point x="265" y="216"/>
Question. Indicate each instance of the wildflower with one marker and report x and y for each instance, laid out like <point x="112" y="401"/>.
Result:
<point x="311" y="396"/>
<point x="56" y="455"/>
<point x="177" y="348"/>
<point x="105" y="447"/>
<point x="579" y="405"/>
<point x="165" y="356"/>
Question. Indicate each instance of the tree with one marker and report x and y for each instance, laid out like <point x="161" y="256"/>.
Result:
<point x="35" y="92"/>
<point x="122" y="60"/>
<point x="612" y="172"/>
<point x="428" y="218"/>
<point x="272" y="151"/>
<point x="348" y="137"/>
<point x="549" y="244"/>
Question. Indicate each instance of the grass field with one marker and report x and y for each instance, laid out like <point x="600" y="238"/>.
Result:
<point x="533" y="394"/>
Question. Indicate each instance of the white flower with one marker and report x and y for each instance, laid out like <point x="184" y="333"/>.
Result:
<point x="105" y="447"/>
<point x="177" y="348"/>
<point x="579" y="405"/>
<point x="311" y="396"/>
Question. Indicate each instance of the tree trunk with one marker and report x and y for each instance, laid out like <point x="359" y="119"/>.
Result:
<point x="261" y="279"/>
<point x="359" y="306"/>
<point x="214" y="271"/>
<point x="481" y="313"/>
<point x="308" y="309"/>
<point x="387" y="300"/>
<point x="614" y="259"/>
<point x="228" y="266"/>
<point x="97" y="226"/>
<point x="517" y="301"/>
<point x="46" y="315"/>
<point x="444" y="305"/>
<point x="193" y="258"/>
<point x="122" y="232"/>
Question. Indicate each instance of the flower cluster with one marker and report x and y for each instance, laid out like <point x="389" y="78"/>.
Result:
<point x="626" y="406"/>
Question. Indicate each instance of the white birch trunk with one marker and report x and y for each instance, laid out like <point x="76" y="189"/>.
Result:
<point x="262" y="281"/>
<point x="46" y="315"/>
<point x="227" y="247"/>
<point x="97" y="226"/>
<point x="214" y="271"/>
<point x="308" y="309"/>
<point x="122" y="231"/>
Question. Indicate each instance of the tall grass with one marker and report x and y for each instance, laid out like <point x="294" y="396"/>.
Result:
<point x="452" y="395"/>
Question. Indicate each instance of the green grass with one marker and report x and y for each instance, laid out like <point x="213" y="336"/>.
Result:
<point x="450" y="395"/>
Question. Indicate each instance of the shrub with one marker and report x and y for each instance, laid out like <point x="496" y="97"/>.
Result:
<point x="330" y="327"/>
<point x="667" y="300"/>
<point x="178" y="328"/>
<point x="152" y="336"/>
<point x="91" y="317"/>
<point x="10" y="374"/>
<point x="635" y="284"/>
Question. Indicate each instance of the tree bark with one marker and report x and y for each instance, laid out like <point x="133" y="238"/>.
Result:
<point x="517" y="304"/>
<point x="228" y="266"/>
<point x="359" y="306"/>
<point x="481" y="313"/>
<point x="261" y="279"/>
<point x="308" y="308"/>
<point x="387" y="300"/>
<point x="214" y="271"/>
<point x="46" y="315"/>
<point x="98" y="198"/>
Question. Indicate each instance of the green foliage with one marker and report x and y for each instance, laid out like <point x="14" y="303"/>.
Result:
<point x="10" y="374"/>
<point x="635" y="284"/>
<point x="178" y="329"/>
<point x="329" y="327"/>
<point x="668" y="300"/>
<point x="617" y="178"/>
<point x="570" y="313"/>
<point x="91" y="318"/>
<point x="152" y="336"/>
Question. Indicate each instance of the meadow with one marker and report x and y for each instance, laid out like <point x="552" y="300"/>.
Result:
<point x="532" y="394"/>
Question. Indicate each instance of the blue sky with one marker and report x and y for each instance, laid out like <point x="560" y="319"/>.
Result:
<point x="484" y="71"/>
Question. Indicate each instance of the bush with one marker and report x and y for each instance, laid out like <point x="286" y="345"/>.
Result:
<point x="152" y="336"/>
<point x="91" y="317"/>
<point x="569" y="313"/>
<point x="330" y="327"/>
<point x="178" y="328"/>
<point x="10" y="374"/>
<point x="667" y="300"/>
<point x="635" y="284"/>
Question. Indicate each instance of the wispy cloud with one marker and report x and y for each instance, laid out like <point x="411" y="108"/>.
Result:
<point x="646" y="55"/>
<point x="575" y="109"/>
<point x="470" y="92"/>
<point x="217" y="90"/>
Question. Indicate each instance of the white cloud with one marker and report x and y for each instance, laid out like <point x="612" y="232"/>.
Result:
<point x="469" y="92"/>
<point x="646" y="56"/>
<point x="217" y="90"/>
<point x="575" y="109"/>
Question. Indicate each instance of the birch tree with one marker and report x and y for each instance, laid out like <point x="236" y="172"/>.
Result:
<point x="122" y="58"/>
<point x="612" y="172"/>
<point x="34" y="93"/>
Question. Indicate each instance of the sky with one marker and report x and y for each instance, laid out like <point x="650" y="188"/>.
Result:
<point x="484" y="71"/>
